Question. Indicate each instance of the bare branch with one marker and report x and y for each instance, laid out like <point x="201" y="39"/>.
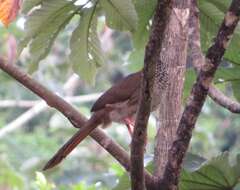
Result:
<point x="198" y="60"/>
<point x="39" y="107"/>
<point x="31" y="103"/>
<point x="198" y="95"/>
<point x="150" y="72"/>
<point x="18" y="103"/>
<point x="72" y="114"/>
<point x="223" y="100"/>
<point x="25" y="117"/>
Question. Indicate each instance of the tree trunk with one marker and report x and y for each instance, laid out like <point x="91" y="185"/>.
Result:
<point x="173" y="54"/>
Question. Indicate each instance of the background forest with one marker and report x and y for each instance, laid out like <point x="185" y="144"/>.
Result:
<point x="30" y="132"/>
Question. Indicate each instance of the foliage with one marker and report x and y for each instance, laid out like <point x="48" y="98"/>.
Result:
<point x="212" y="13"/>
<point x="54" y="15"/>
<point x="216" y="174"/>
<point x="60" y="27"/>
<point x="41" y="182"/>
<point x="85" y="46"/>
<point x="8" y="177"/>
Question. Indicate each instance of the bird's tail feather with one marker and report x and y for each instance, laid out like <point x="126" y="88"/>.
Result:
<point x="71" y="143"/>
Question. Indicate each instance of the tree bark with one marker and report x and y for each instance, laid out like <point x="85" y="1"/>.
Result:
<point x="197" y="60"/>
<point x="198" y="96"/>
<point x="151" y="73"/>
<point x="174" y="55"/>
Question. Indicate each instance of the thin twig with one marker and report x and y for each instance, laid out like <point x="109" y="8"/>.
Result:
<point x="197" y="60"/>
<point x="151" y="62"/>
<point x="72" y="114"/>
<point x="198" y="96"/>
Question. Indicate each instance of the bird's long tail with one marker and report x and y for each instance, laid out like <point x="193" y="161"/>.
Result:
<point x="67" y="148"/>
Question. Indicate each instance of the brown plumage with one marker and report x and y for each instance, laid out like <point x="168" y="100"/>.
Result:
<point x="120" y="92"/>
<point x="118" y="104"/>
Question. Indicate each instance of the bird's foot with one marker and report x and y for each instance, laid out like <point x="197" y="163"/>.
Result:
<point x="130" y="125"/>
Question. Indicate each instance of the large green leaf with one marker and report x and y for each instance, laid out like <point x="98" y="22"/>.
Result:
<point x="43" y="25"/>
<point x="217" y="174"/>
<point x="145" y="10"/>
<point x="29" y="4"/>
<point x="86" y="54"/>
<point x="120" y="15"/>
<point x="212" y="14"/>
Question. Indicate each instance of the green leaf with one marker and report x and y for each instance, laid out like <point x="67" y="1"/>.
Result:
<point x="29" y="4"/>
<point x="42" y="183"/>
<point x="227" y="74"/>
<point x="217" y="174"/>
<point x="83" y="186"/>
<point x="136" y="59"/>
<point x="231" y="75"/>
<point x="124" y="183"/>
<point x="145" y="10"/>
<point x="193" y="162"/>
<point x="211" y="16"/>
<point x="86" y="54"/>
<point x="236" y="89"/>
<point x="43" y="26"/>
<point x="120" y="15"/>
<point x="190" y="78"/>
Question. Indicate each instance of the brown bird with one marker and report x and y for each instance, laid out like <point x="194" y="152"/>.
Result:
<point x="117" y="104"/>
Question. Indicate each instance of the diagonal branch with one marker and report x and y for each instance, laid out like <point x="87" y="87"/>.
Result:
<point x="21" y="120"/>
<point x="197" y="60"/>
<point x="224" y="101"/>
<point x="37" y="107"/>
<point x="197" y="98"/>
<point x="151" y="62"/>
<point x="72" y="114"/>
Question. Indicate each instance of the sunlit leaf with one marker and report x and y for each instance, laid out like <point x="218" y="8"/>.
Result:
<point x="145" y="10"/>
<point x="86" y="54"/>
<point x="120" y="15"/>
<point x="43" y="26"/>
<point x="42" y="183"/>
<point x="9" y="10"/>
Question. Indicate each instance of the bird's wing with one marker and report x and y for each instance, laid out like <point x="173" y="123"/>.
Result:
<point x="119" y="92"/>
